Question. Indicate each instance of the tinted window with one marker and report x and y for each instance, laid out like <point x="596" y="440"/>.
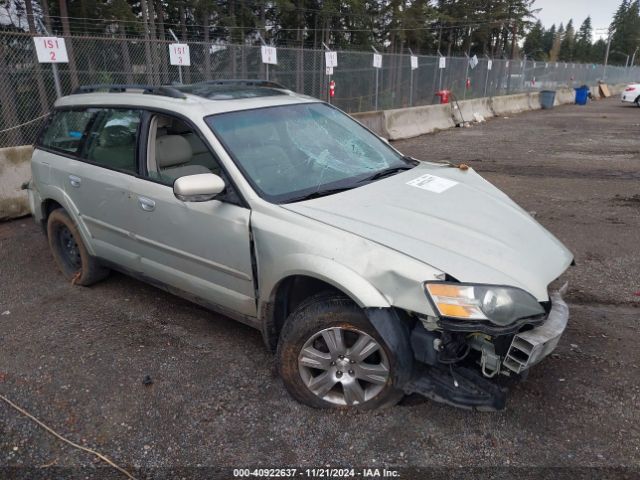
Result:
<point x="113" y="139"/>
<point x="66" y="130"/>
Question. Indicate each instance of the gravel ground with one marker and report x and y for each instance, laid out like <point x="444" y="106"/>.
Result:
<point x="76" y="357"/>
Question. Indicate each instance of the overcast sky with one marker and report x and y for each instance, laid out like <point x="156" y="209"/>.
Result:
<point x="556" y="11"/>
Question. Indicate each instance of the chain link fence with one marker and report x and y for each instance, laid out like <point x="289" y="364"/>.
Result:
<point x="28" y="88"/>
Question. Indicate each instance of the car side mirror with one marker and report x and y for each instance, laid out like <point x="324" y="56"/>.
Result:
<point x="198" y="188"/>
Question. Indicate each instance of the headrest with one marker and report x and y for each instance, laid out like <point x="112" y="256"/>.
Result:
<point x="172" y="150"/>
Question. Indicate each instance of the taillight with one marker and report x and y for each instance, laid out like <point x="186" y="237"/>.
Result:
<point x="629" y="89"/>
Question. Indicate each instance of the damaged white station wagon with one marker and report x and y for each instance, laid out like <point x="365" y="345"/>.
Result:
<point x="371" y="274"/>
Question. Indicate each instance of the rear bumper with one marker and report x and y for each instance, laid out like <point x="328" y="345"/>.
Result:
<point x="530" y="347"/>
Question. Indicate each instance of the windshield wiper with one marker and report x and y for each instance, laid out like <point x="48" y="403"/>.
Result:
<point x="318" y="194"/>
<point x="387" y="172"/>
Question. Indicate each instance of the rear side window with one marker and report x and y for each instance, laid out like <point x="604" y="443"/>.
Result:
<point x="113" y="139"/>
<point x="66" y="129"/>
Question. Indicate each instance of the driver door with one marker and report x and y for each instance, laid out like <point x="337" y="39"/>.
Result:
<point x="202" y="248"/>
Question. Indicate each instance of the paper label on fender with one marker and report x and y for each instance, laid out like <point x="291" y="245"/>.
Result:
<point x="432" y="183"/>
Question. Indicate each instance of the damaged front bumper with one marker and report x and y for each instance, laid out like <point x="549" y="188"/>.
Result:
<point x="466" y="369"/>
<point x="530" y="347"/>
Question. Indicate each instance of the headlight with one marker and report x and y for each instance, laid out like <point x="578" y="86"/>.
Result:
<point x="499" y="305"/>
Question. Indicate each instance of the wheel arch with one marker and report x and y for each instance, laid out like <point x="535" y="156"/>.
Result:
<point x="295" y="285"/>
<point x="55" y="197"/>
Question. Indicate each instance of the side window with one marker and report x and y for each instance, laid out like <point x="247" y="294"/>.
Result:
<point x="113" y="139"/>
<point x="176" y="150"/>
<point x="66" y="130"/>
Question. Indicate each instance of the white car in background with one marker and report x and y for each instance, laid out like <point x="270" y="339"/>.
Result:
<point x="631" y="94"/>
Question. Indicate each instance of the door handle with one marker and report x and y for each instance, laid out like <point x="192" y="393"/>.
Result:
<point x="146" y="204"/>
<point x="74" y="181"/>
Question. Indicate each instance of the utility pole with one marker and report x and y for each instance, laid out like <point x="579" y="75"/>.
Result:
<point x="633" y="58"/>
<point x="606" y="59"/>
<point x="513" y="54"/>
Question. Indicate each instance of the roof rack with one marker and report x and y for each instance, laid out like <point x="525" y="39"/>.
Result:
<point x="246" y="83"/>
<point x="128" y="87"/>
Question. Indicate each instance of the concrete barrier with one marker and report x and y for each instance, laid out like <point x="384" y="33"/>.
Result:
<point x="534" y="101"/>
<point x="565" y="96"/>
<point x="464" y="110"/>
<point x="509" y="104"/>
<point x="374" y="121"/>
<point x="617" y="89"/>
<point x="15" y="169"/>
<point x="411" y="122"/>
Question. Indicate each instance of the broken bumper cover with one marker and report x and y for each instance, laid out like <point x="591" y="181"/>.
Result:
<point x="530" y="347"/>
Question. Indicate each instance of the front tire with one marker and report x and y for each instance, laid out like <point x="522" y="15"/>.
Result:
<point x="69" y="251"/>
<point x="330" y="356"/>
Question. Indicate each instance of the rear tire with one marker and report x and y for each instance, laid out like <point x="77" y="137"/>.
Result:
<point x="330" y="356"/>
<point x="69" y="251"/>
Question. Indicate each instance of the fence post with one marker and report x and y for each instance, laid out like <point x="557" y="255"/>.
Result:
<point x="486" y="79"/>
<point x="466" y="75"/>
<point x="54" y="67"/>
<point x="410" y="79"/>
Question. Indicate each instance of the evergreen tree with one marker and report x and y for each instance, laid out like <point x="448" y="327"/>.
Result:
<point x="547" y="39"/>
<point x="568" y="44"/>
<point x="584" y="42"/>
<point x="555" y="47"/>
<point x="534" y="42"/>
<point x="625" y="31"/>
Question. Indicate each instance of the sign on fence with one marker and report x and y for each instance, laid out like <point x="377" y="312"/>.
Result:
<point x="414" y="62"/>
<point x="377" y="60"/>
<point x="179" y="54"/>
<point x="328" y="70"/>
<point x="473" y="62"/>
<point x="489" y="64"/>
<point x="269" y="55"/>
<point x="331" y="59"/>
<point x="51" y="50"/>
<point x="443" y="62"/>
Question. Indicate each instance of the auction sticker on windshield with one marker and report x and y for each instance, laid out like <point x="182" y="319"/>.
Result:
<point x="432" y="183"/>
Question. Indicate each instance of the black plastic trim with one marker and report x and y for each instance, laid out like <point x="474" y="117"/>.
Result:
<point x="395" y="331"/>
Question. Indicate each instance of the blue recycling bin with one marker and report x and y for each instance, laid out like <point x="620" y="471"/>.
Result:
<point x="547" y="98"/>
<point x="582" y="94"/>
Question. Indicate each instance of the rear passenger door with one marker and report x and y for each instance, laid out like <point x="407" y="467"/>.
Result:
<point x="202" y="248"/>
<point x="101" y="182"/>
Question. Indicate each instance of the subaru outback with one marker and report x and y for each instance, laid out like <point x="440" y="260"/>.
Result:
<point x="370" y="274"/>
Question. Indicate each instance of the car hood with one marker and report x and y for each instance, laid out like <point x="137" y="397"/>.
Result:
<point x="452" y="220"/>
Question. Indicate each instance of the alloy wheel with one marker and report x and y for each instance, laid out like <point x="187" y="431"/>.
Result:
<point x="343" y="366"/>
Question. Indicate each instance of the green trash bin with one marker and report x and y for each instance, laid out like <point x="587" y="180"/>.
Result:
<point x="547" y="98"/>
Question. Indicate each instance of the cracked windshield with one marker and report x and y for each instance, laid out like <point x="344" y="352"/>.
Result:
<point x="291" y="151"/>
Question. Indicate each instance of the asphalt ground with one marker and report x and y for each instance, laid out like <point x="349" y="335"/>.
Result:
<point x="76" y="357"/>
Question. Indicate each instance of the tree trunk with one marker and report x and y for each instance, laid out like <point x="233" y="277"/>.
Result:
<point x="42" y="91"/>
<point x="147" y="41"/>
<point x="206" y="47"/>
<point x="300" y="52"/>
<point x="45" y="14"/>
<point x="13" y="137"/>
<point x="66" y="31"/>
<point x="126" y="58"/>
<point x="164" y="62"/>
<point x="154" y="44"/>
<point x="186" y="71"/>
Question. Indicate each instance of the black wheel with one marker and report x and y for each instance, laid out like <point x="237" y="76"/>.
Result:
<point x="330" y="356"/>
<point x="637" y="102"/>
<point x="69" y="252"/>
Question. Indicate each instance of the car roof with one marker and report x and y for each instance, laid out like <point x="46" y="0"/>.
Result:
<point x="196" y="99"/>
